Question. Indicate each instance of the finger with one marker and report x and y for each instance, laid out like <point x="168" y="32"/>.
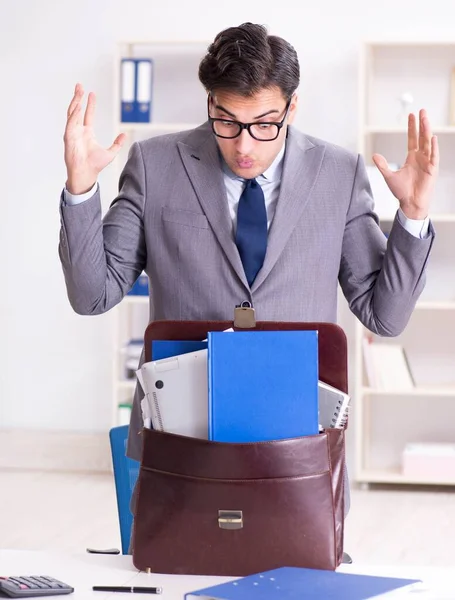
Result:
<point x="90" y="110"/>
<point x="77" y="97"/>
<point x="434" y="157"/>
<point x="424" y="133"/>
<point x="118" y="143"/>
<point x="74" y="119"/>
<point x="412" y="133"/>
<point x="382" y="165"/>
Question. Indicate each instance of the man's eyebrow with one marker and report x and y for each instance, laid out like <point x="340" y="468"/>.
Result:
<point x="269" y="112"/>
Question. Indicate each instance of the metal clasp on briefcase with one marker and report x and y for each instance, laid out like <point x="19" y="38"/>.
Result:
<point x="230" y="519"/>
<point x="244" y="316"/>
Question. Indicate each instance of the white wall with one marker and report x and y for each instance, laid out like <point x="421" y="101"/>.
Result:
<point x="56" y="366"/>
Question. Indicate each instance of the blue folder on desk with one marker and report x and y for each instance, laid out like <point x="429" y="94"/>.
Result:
<point x="263" y="385"/>
<point x="293" y="583"/>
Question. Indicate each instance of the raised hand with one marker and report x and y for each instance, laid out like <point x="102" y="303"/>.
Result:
<point x="84" y="157"/>
<point x="413" y="184"/>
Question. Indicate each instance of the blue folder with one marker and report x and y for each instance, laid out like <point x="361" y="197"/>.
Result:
<point x="263" y="385"/>
<point x="293" y="583"/>
<point x="136" y="77"/>
<point x="168" y="348"/>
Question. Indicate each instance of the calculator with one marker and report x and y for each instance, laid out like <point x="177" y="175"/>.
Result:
<point x="32" y="586"/>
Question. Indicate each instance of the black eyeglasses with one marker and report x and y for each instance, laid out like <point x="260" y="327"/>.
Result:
<point x="261" y="131"/>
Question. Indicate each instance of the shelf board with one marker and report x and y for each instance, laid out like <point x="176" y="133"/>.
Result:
<point x="438" y="129"/>
<point x="395" y="476"/>
<point x="434" y="390"/>
<point x="435" y="305"/>
<point x="152" y="127"/>
<point x="135" y="300"/>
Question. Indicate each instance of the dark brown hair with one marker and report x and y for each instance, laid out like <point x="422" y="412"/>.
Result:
<point x="246" y="59"/>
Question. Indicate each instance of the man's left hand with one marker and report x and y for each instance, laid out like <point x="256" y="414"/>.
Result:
<point x="414" y="182"/>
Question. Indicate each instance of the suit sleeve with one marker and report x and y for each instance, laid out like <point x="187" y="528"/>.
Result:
<point x="381" y="278"/>
<point x="102" y="258"/>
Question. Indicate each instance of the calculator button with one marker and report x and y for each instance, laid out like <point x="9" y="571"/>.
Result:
<point x="40" y="584"/>
<point x="31" y="584"/>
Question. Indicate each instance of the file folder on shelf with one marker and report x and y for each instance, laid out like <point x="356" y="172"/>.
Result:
<point x="128" y="90"/>
<point x="136" y="90"/>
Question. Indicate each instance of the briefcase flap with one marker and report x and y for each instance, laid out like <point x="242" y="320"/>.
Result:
<point x="332" y="343"/>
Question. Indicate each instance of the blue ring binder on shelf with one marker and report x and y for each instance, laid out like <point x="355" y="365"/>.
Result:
<point x="140" y="286"/>
<point x="136" y="90"/>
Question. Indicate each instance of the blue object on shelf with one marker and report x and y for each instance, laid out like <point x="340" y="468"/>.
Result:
<point x="136" y="76"/>
<point x="126" y="471"/>
<point x="140" y="287"/>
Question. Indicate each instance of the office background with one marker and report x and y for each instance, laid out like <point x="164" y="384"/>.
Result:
<point x="56" y="375"/>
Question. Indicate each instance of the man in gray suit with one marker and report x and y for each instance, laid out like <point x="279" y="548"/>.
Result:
<point x="245" y="208"/>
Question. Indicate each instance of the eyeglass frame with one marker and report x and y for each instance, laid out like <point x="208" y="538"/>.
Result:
<point x="247" y="126"/>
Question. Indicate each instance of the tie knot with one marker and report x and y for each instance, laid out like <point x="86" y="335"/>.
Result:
<point x="251" y="182"/>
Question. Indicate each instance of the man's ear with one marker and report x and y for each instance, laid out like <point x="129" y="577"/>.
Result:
<point x="293" y="108"/>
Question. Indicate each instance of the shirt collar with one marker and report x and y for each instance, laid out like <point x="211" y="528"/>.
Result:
<point x="273" y="173"/>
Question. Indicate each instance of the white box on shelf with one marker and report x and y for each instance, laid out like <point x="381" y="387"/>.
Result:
<point x="429" y="462"/>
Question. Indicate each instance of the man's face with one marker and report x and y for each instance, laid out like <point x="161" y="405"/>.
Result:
<point x="244" y="155"/>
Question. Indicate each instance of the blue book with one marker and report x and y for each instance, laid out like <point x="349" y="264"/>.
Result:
<point x="263" y="385"/>
<point x="168" y="348"/>
<point x="293" y="583"/>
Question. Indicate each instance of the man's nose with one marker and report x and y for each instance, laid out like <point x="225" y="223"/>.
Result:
<point x="245" y="143"/>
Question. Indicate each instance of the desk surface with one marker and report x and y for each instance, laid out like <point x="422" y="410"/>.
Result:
<point x="82" y="571"/>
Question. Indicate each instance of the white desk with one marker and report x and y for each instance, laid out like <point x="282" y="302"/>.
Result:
<point x="82" y="571"/>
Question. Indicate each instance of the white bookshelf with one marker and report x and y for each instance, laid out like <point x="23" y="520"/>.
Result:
<point x="388" y="419"/>
<point x="178" y="103"/>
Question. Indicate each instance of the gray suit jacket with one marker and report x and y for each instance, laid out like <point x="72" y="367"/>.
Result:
<point x="171" y="219"/>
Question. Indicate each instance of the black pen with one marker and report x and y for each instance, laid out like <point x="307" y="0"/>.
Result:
<point x="132" y="590"/>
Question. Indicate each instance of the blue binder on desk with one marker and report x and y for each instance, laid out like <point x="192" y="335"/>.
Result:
<point x="293" y="583"/>
<point x="263" y="385"/>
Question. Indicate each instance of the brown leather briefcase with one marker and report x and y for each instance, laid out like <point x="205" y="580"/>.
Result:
<point x="212" y="508"/>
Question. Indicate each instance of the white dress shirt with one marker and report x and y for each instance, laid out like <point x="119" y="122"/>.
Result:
<point x="270" y="183"/>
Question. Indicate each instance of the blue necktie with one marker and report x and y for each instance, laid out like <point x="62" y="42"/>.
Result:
<point x="251" y="235"/>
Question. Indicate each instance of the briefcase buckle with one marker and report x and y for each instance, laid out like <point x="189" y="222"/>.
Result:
<point x="230" y="519"/>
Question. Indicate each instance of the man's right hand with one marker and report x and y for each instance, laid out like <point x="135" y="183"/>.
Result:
<point x="84" y="157"/>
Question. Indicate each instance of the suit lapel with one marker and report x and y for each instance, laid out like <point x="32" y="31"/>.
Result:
<point x="302" y="163"/>
<point x="202" y="163"/>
